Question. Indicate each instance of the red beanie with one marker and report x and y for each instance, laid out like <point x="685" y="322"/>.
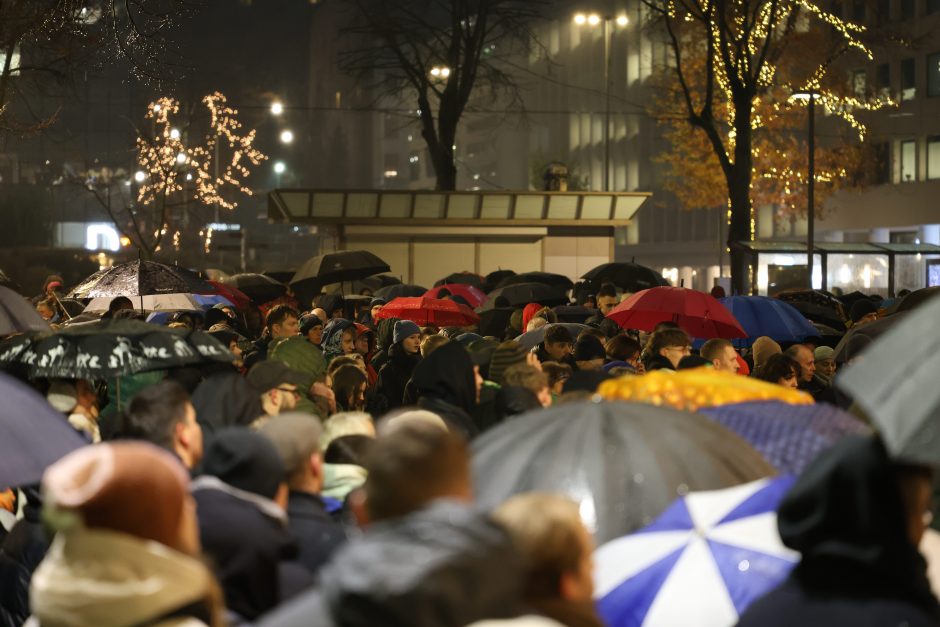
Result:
<point x="528" y="313"/>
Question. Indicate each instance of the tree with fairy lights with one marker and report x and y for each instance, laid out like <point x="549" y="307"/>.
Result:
<point x="176" y="176"/>
<point x="733" y="69"/>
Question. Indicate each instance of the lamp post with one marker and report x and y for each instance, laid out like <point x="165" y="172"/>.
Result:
<point x="810" y="96"/>
<point x="593" y="19"/>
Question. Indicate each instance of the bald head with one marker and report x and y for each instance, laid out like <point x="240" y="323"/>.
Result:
<point x="803" y="355"/>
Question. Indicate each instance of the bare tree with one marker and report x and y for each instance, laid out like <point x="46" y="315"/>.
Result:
<point x="441" y="53"/>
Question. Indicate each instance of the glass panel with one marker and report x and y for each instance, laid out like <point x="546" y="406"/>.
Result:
<point x="865" y="273"/>
<point x="298" y="204"/>
<point x="596" y="207"/>
<point x="395" y="206"/>
<point x="777" y="272"/>
<point x="563" y="207"/>
<point x="933" y="158"/>
<point x="908" y="161"/>
<point x="529" y="207"/>
<point x="933" y="74"/>
<point x="908" y="78"/>
<point x="328" y="205"/>
<point x="362" y="205"/>
<point x="495" y="207"/>
<point x="462" y="206"/>
<point x="910" y="271"/>
<point x="429" y="206"/>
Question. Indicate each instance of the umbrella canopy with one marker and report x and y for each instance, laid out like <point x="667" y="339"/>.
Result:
<point x="394" y="291"/>
<point x="493" y="278"/>
<point x="109" y="348"/>
<point x="695" y="388"/>
<point x="630" y="277"/>
<point x="545" y="278"/>
<point x="17" y="315"/>
<point x="9" y="283"/>
<point x="33" y="435"/>
<point x="258" y="287"/>
<point x="917" y="298"/>
<point x="338" y="266"/>
<point x="235" y="296"/>
<point x="493" y="322"/>
<point x="160" y="302"/>
<point x="573" y="313"/>
<point x="430" y="311"/>
<point x="521" y="294"/>
<point x="702" y="562"/>
<point x="623" y="463"/>
<point x="858" y="338"/>
<point x="899" y="389"/>
<point x="473" y="295"/>
<point x="281" y="276"/>
<point x="141" y="278"/>
<point x="788" y="436"/>
<point x="772" y="317"/>
<point x="698" y="313"/>
<point x="468" y="278"/>
<point x="531" y="339"/>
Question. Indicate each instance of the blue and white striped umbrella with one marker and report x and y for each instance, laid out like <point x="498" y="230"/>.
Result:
<point x="702" y="562"/>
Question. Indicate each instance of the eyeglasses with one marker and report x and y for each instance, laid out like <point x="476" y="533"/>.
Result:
<point x="682" y="349"/>
<point x="295" y="391"/>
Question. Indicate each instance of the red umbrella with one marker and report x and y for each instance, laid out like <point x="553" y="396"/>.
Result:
<point x="427" y="311"/>
<point x="236" y="296"/>
<point x="699" y="314"/>
<point x="473" y="295"/>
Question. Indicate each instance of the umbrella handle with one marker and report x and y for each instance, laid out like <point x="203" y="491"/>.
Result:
<point x="61" y="308"/>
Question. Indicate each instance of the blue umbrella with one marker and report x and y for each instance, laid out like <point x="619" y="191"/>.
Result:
<point x="788" y="436"/>
<point x="33" y="435"/>
<point x="772" y="317"/>
<point x="702" y="562"/>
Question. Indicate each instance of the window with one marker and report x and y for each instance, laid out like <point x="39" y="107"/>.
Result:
<point x="883" y="162"/>
<point x="908" y="78"/>
<point x="907" y="9"/>
<point x="883" y="79"/>
<point x="859" y="83"/>
<point x="908" y="161"/>
<point x="933" y="157"/>
<point x="933" y="74"/>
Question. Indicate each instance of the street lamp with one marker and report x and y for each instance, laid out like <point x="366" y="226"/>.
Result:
<point x="279" y="169"/>
<point x="593" y="19"/>
<point x="287" y="136"/>
<point x="810" y="96"/>
<point x="277" y="108"/>
<point x="440" y="71"/>
<point x="140" y="176"/>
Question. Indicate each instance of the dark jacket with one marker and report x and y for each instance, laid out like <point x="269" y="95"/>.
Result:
<point x="605" y="324"/>
<point x="543" y="356"/>
<point x="333" y="337"/>
<point x="22" y="550"/>
<point x="858" y="566"/>
<point x="384" y="334"/>
<point x="394" y="375"/>
<point x="225" y="400"/>
<point x="444" y="566"/>
<point x="315" y="531"/>
<point x="657" y="362"/>
<point x="246" y="538"/>
<point x="447" y="387"/>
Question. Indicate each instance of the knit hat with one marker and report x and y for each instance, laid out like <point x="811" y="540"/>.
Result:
<point x="466" y="339"/>
<point x="403" y="329"/>
<point x="528" y="313"/>
<point x="128" y="487"/>
<point x="862" y="308"/>
<point x="308" y="322"/>
<point x="823" y="352"/>
<point x="244" y="460"/>
<point x="589" y="347"/>
<point x="506" y="354"/>
<point x="377" y="301"/>
<point x="295" y="435"/>
<point x="763" y="349"/>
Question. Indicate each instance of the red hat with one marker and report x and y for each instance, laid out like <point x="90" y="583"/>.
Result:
<point x="528" y="313"/>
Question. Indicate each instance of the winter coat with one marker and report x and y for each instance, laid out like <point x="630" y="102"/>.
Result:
<point x="301" y="356"/>
<point x="394" y="375"/>
<point x="371" y="372"/>
<point x="447" y="387"/>
<point x="543" y="356"/>
<point x="607" y="326"/>
<point x="21" y="552"/>
<point x="384" y="334"/>
<point x="858" y="566"/>
<point x="225" y="400"/>
<point x="333" y="338"/>
<point x="317" y="534"/>
<point x="341" y="479"/>
<point x="446" y="565"/>
<point x="247" y="539"/>
<point x="97" y="578"/>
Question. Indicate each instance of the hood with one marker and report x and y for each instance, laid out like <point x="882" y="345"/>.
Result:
<point x="224" y="400"/>
<point x="333" y="337"/>
<point x="109" y="579"/>
<point x="298" y="354"/>
<point x="341" y="479"/>
<point x="447" y="374"/>
<point x="444" y="566"/>
<point x="361" y="330"/>
<point x="385" y="332"/>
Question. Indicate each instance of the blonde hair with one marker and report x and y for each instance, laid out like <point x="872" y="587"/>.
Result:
<point x="346" y="423"/>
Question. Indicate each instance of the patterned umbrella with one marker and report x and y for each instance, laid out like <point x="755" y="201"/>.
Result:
<point x="141" y="278"/>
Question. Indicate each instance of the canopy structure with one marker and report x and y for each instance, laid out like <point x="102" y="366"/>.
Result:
<point x="426" y="234"/>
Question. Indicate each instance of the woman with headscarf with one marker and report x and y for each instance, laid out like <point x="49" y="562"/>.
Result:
<point x="857" y="518"/>
<point x="339" y="338"/>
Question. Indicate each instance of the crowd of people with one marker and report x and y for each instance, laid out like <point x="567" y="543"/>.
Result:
<point x="323" y="478"/>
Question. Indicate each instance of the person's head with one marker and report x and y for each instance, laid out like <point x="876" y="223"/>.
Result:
<point x="762" y="350"/>
<point x="721" y="354"/>
<point x="547" y="531"/>
<point x="782" y="370"/>
<point x="673" y="344"/>
<point x="248" y="461"/>
<point x="431" y="343"/>
<point x="607" y="298"/>
<point x="506" y="354"/>
<point x="353" y="359"/>
<point x="557" y="375"/>
<point x="375" y="306"/>
<point x="531" y="378"/>
<point x="622" y="347"/>
<point x="558" y="342"/>
<point x="119" y="303"/>
<point x="229" y="338"/>
<point x="46" y="309"/>
<point x="348" y="340"/>
<point x="282" y="321"/>
<point x="311" y="327"/>
<point x="824" y="356"/>
<point x="52" y="283"/>
<point x="349" y="449"/>
<point x="863" y="311"/>
<point x="803" y="355"/>
<point x="349" y="386"/>
<point x="365" y="340"/>
<point x="346" y="423"/>
<point x="320" y="313"/>
<point x="537" y="322"/>
<point x="163" y="415"/>
<point x="296" y="436"/>
<point x="409" y="468"/>
<point x="408" y="335"/>
<point x="589" y="353"/>
<point x="276" y="384"/>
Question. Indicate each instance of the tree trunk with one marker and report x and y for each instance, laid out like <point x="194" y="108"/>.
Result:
<point x="739" y="195"/>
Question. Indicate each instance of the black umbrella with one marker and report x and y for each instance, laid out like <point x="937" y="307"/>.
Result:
<point x="258" y="287"/>
<point x="17" y="315"/>
<point x="467" y="278"/>
<point x="141" y="278"/>
<point x="6" y="281"/>
<point x="494" y="321"/>
<point x="573" y="313"/>
<point x="531" y="339"/>
<point x="823" y="314"/>
<point x="916" y="299"/>
<point x="493" y="278"/>
<point x="628" y="276"/>
<point x="622" y="463"/>
<point x="336" y="267"/>
<point x="110" y="348"/>
<point x="281" y="276"/>
<point x="858" y="338"/>
<point x="391" y="292"/>
<point x="33" y="435"/>
<point x="850" y="299"/>
<point x="521" y="294"/>
<point x="546" y="278"/>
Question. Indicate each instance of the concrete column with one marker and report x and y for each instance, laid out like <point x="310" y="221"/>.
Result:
<point x="929" y="234"/>
<point x="879" y="236"/>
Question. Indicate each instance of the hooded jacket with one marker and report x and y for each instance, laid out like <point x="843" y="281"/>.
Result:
<point x="394" y="375"/>
<point x="447" y="387"/>
<point x="372" y="373"/>
<point x="384" y="338"/>
<point x="333" y="337"/>
<point x="298" y="354"/>
<point x="225" y="400"/>
<point x="858" y="566"/>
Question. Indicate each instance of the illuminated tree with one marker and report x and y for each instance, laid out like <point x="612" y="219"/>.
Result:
<point x="734" y="66"/>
